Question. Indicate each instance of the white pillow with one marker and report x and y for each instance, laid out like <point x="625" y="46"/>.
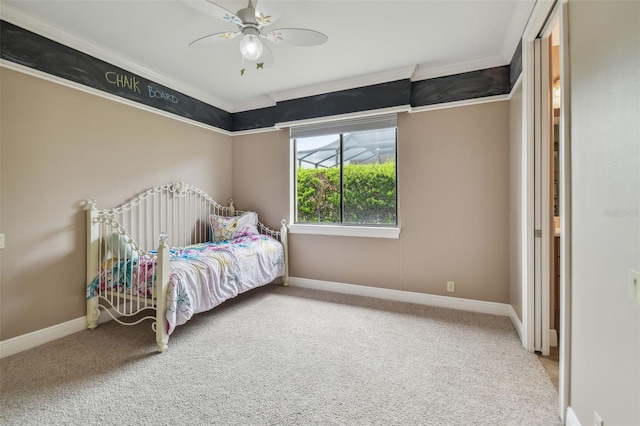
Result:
<point x="227" y="228"/>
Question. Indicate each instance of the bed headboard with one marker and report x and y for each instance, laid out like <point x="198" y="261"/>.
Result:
<point x="170" y="215"/>
<point x="179" y="210"/>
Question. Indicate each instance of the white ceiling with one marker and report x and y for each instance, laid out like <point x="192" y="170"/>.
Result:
<point x="370" y="42"/>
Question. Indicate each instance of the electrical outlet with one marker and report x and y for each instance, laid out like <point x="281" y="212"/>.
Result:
<point x="634" y="286"/>
<point x="597" y="420"/>
<point x="1" y="241"/>
<point x="451" y="286"/>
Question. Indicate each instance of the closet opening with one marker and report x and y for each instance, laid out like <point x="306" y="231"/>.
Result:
<point x="549" y="168"/>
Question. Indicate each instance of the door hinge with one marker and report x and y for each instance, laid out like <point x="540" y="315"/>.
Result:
<point x="538" y="233"/>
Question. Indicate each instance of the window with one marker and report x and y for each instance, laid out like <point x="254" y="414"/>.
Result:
<point x="345" y="173"/>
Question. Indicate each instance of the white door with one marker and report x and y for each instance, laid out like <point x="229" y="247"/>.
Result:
<point x="543" y="129"/>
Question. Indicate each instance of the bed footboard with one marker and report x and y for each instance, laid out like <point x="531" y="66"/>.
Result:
<point x="93" y="311"/>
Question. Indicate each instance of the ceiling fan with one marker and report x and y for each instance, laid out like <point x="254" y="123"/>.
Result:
<point x="251" y="23"/>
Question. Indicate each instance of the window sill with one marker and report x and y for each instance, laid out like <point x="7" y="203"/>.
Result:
<point x="345" y="231"/>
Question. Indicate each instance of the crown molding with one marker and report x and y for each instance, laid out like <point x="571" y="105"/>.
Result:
<point x="255" y="131"/>
<point x="346" y="84"/>
<point x="265" y="102"/>
<point x="424" y="71"/>
<point x="466" y="102"/>
<point x="17" y="17"/>
<point x="519" y="19"/>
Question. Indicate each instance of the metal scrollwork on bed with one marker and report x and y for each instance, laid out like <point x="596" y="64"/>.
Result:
<point x="206" y="253"/>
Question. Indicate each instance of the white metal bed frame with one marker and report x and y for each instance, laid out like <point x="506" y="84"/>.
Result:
<point x="178" y="211"/>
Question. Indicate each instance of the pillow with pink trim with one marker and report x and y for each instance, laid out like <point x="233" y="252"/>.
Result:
<point x="227" y="228"/>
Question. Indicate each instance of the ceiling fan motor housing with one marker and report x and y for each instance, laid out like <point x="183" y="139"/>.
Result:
<point x="247" y="16"/>
<point x="251" y="29"/>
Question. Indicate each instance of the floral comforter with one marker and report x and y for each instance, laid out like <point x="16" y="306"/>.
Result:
<point x="201" y="276"/>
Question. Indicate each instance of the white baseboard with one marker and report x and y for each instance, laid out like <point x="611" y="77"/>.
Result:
<point x="517" y="324"/>
<point x="493" y="308"/>
<point x="571" y="419"/>
<point x="40" y="337"/>
<point x="36" y="338"/>
<point x="553" y="338"/>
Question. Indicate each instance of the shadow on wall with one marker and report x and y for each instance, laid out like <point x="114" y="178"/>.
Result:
<point x="55" y="257"/>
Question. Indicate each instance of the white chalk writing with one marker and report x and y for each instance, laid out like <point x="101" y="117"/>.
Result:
<point x="157" y="93"/>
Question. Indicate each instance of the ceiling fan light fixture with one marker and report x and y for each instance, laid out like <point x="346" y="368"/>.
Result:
<point x="250" y="47"/>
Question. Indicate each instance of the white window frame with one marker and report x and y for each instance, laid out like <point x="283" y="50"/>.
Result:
<point x="344" y="230"/>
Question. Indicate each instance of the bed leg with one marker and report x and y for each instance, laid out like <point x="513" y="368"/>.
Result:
<point x="284" y="234"/>
<point x="162" y="336"/>
<point x="162" y="345"/>
<point x="93" y="312"/>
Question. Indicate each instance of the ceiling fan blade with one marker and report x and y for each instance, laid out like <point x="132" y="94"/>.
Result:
<point x="296" y="37"/>
<point x="268" y="12"/>
<point x="214" y="39"/>
<point x="222" y="13"/>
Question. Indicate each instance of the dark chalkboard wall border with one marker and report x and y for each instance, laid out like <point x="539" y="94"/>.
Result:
<point x="515" y="68"/>
<point x="461" y="87"/>
<point x="34" y="51"/>
<point x="366" y="98"/>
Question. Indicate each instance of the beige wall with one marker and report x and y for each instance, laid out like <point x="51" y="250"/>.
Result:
<point x="454" y="201"/>
<point x="453" y="188"/>
<point x="604" y="67"/>
<point x="261" y="175"/>
<point x="515" y="201"/>
<point x="59" y="146"/>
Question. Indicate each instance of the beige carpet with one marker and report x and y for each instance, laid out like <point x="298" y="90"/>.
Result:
<point x="287" y="356"/>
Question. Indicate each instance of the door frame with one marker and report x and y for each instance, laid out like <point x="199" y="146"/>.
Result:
<point x="544" y="12"/>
